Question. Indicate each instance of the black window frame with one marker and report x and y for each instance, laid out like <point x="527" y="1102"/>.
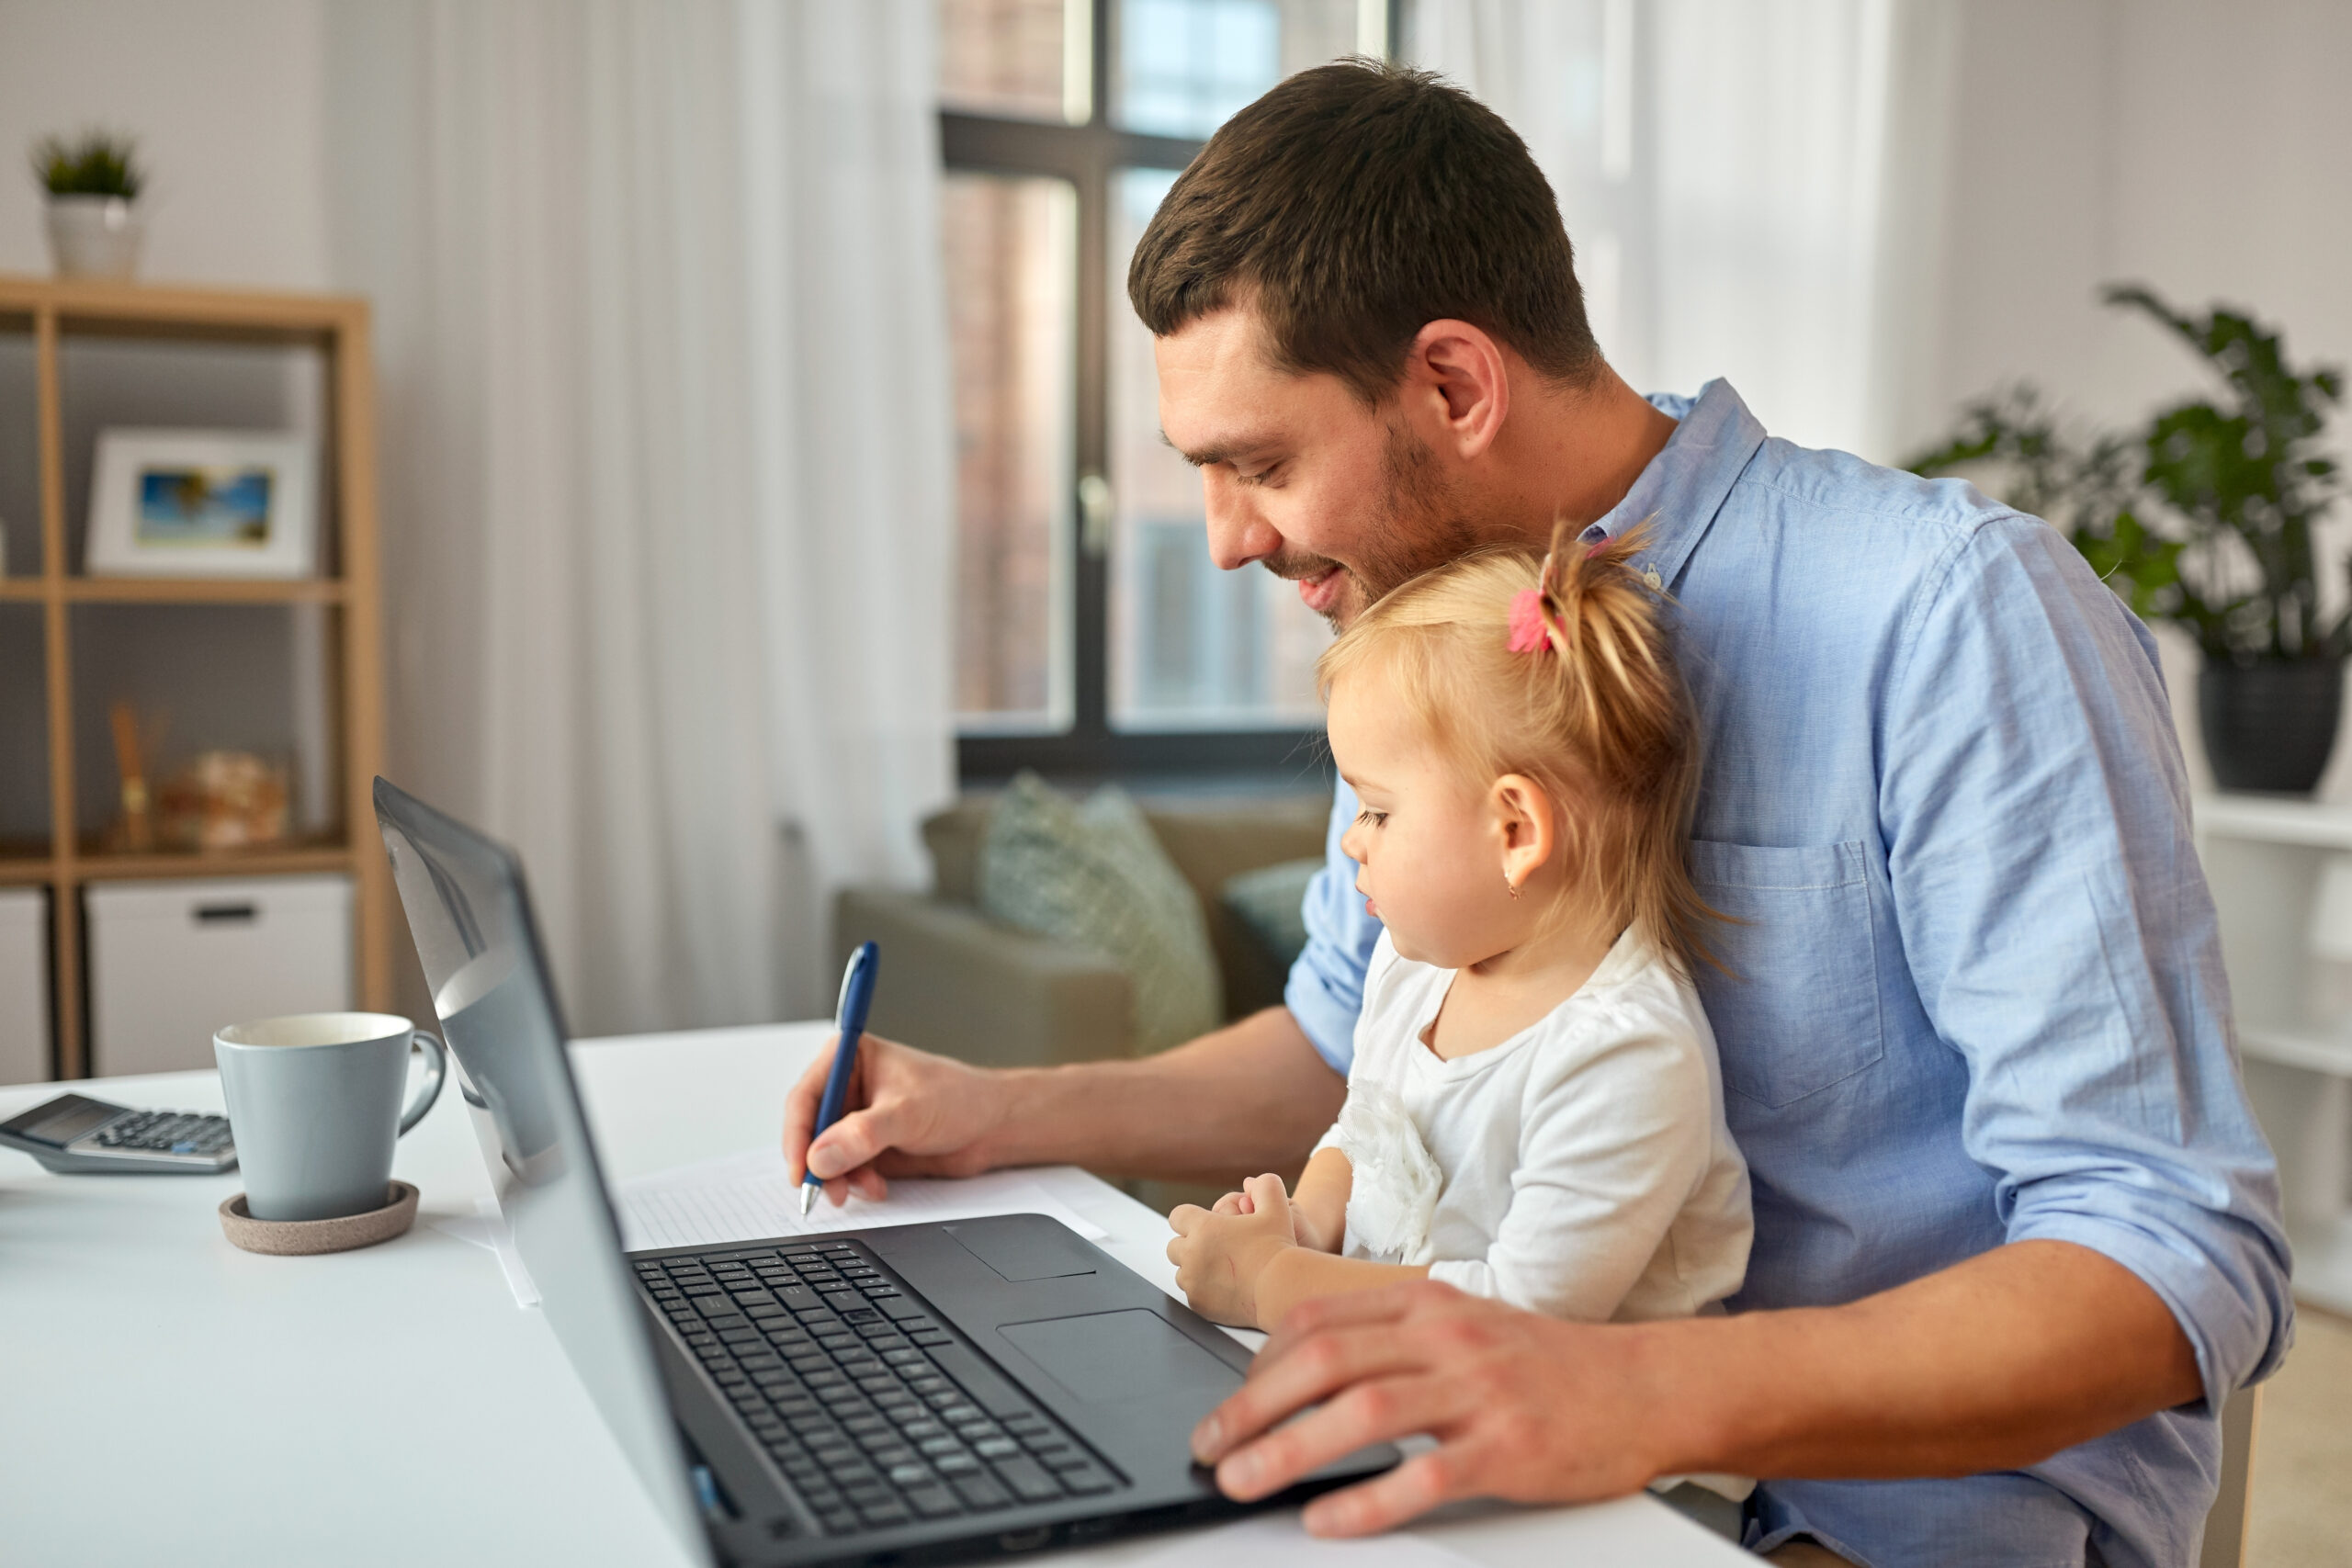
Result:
<point x="1088" y="156"/>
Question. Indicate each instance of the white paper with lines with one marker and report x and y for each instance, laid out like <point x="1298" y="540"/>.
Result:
<point x="748" y="1197"/>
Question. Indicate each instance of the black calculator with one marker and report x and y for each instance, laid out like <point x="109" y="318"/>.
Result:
<point x="74" y="1132"/>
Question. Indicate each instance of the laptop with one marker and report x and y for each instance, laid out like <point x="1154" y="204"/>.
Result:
<point x="908" y="1393"/>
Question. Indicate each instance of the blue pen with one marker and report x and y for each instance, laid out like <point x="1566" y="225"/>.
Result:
<point x="849" y="1018"/>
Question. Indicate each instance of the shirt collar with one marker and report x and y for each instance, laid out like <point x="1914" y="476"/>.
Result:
<point x="1682" y="489"/>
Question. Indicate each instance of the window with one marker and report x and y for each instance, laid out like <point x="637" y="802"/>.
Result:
<point x="1094" y="635"/>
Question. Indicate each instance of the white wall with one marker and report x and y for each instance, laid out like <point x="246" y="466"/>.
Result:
<point x="2203" y="147"/>
<point x="228" y="100"/>
<point x="2197" y="146"/>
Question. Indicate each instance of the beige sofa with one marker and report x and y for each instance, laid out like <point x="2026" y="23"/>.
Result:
<point x="959" y="983"/>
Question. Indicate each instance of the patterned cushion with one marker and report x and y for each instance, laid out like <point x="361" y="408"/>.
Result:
<point x="1095" y="877"/>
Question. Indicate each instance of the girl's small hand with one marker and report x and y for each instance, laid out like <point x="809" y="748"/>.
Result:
<point x="1220" y="1253"/>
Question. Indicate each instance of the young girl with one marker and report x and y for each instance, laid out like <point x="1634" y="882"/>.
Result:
<point x="1535" y="1112"/>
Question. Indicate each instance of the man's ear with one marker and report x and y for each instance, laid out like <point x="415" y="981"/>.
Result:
<point x="1525" y="829"/>
<point x="1464" y="382"/>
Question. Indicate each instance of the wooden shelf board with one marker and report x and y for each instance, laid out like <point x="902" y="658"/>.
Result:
<point x="84" y="307"/>
<point x="218" y="862"/>
<point x="178" y="591"/>
<point x="2274" y="820"/>
<point x="26" y="870"/>
<point x="203" y="589"/>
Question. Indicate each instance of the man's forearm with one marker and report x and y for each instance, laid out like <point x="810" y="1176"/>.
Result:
<point x="1997" y="1362"/>
<point x="1250" y="1098"/>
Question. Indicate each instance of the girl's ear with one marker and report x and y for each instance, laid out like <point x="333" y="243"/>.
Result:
<point x="1525" y="829"/>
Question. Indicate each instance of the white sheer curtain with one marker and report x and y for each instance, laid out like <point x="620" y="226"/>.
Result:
<point x="1752" y="187"/>
<point x="666" y="451"/>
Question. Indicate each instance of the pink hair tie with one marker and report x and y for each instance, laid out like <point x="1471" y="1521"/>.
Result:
<point x="1528" y="633"/>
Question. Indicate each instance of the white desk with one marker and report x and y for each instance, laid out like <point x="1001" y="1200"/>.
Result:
<point x="168" y="1399"/>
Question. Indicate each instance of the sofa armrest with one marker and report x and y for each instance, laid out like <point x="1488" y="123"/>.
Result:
<point x="955" y="982"/>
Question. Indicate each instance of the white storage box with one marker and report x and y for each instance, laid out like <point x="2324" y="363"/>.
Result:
<point x="24" y="985"/>
<point x="172" y="961"/>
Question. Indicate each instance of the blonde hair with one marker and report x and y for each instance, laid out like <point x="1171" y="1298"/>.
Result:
<point x="1596" y="713"/>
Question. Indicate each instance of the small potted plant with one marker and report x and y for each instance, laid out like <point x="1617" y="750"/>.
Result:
<point x="2205" y="518"/>
<point x="94" y="224"/>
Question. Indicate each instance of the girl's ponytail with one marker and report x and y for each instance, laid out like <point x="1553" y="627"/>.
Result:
<point x="1598" y="620"/>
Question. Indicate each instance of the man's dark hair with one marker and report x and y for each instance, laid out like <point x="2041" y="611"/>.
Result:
<point x="1353" y="204"/>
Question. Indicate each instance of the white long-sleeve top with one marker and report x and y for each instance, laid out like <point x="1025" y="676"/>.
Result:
<point x="1582" y="1169"/>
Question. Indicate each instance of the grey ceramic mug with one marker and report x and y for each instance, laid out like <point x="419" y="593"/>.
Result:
<point x="314" y="1106"/>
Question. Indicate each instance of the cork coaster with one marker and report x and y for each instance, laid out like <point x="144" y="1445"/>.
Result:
<point x="290" y="1238"/>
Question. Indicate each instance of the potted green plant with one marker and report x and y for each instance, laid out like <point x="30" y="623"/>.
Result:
<point x="95" y="224"/>
<point x="2204" y="518"/>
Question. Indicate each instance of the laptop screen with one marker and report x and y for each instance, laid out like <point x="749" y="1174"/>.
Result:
<point x="472" y="921"/>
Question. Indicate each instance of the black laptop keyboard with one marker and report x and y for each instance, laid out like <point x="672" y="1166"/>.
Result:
<point x="869" y="1408"/>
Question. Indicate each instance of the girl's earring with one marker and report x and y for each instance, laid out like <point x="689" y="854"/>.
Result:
<point x="1508" y="883"/>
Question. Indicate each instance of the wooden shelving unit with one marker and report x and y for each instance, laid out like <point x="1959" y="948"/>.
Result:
<point x="338" y="327"/>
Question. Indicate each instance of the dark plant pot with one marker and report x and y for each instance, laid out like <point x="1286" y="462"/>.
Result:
<point x="2270" y="726"/>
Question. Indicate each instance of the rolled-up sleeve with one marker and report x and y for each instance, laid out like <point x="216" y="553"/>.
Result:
<point x="1325" y="992"/>
<point x="2061" y="938"/>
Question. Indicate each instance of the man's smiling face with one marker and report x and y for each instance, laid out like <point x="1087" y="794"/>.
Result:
<point x="1298" y="474"/>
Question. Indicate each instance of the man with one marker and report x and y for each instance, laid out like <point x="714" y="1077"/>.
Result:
<point x="2015" y="1225"/>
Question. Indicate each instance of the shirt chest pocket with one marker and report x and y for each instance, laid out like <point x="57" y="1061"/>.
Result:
<point x="1803" y="1012"/>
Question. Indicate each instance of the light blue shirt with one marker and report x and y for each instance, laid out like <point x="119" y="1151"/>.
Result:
<point x="1980" y="994"/>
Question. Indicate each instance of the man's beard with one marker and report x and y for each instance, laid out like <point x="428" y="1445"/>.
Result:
<point x="1419" y="528"/>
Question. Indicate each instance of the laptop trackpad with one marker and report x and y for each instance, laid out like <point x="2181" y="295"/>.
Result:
<point x="1132" y="1354"/>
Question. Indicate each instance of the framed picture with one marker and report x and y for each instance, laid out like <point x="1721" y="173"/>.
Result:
<point x="203" y="504"/>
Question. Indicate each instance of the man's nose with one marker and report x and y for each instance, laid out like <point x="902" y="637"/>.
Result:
<point x="1238" y="535"/>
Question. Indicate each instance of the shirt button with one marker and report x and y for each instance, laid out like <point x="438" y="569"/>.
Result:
<point x="1650" y="576"/>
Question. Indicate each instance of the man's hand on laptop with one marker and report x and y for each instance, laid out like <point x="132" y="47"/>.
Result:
<point x="1523" y="1407"/>
<point x="1993" y="1363"/>
<point x="908" y="1113"/>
